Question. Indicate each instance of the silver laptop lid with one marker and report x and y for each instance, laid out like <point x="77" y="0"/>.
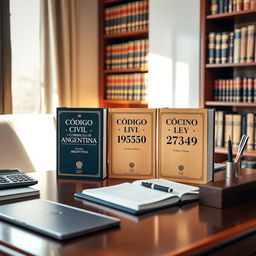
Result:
<point x="54" y="219"/>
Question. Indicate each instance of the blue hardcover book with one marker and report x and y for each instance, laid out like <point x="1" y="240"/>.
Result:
<point x="82" y="143"/>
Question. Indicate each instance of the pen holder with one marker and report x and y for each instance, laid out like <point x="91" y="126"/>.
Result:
<point x="232" y="170"/>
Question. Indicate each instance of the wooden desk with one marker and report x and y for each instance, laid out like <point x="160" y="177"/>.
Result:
<point x="186" y="230"/>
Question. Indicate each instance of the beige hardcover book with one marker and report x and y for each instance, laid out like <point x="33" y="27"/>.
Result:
<point x="250" y="130"/>
<point x="228" y="128"/>
<point x="237" y="122"/>
<point x="250" y="43"/>
<point x="132" y="142"/>
<point x="186" y="145"/>
<point x="220" y="122"/>
<point x="243" y="50"/>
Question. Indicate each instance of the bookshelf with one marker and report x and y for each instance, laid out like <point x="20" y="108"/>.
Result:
<point x="226" y="20"/>
<point x="123" y="47"/>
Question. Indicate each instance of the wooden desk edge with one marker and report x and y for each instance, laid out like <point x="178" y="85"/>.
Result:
<point x="217" y="240"/>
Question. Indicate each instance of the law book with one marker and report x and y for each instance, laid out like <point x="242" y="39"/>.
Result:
<point x="220" y="129"/>
<point x="218" y="48"/>
<point x="228" y="133"/>
<point x="211" y="47"/>
<point x="237" y="126"/>
<point x="214" y="6"/>
<point x="15" y="193"/>
<point x="231" y="48"/>
<point x="246" y="5"/>
<point x="250" y="130"/>
<point x="243" y="50"/>
<point x="132" y="141"/>
<point x="186" y="144"/>
<point x="82" y="143"/>
<point x="137" y="199"/>
<point x="237" y="45"/>
<point x="250" y="43"/>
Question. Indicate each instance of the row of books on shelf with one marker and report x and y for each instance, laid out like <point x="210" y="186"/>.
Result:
<point x="127" y="87"/>
<point x="232" y="47"/>
<point x="134" y="143"/>
<point x="132" y="16"/>
<point x="240" y="89"/>
<point x="234" y="125"/>
<point x="131" y="54"/>
<point x="226" y="6"/>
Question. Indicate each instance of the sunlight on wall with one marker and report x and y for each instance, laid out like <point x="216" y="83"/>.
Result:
<point x="181" y="99"/>
<point x="160" y="93"/>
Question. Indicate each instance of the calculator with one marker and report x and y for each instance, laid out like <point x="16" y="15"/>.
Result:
<point x="13" y="178"/>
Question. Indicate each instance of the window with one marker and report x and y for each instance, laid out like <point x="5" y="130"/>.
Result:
<point x="25" y="56"/>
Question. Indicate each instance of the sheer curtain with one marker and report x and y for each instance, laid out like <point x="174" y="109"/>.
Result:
<point x="5" y="59"/>
<point x="59" y="54"/>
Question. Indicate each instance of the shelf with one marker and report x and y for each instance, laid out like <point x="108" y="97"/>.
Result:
<point x="230" y="15"/>
<point x="143" y="103"/>
<point x="248" y="153"/>
<point x="231" y="65"/>
<point x="131" y="70"/>
<point x="113" y="1"/>
<point x="135" y="34"/>
<point x="232" y="104"/>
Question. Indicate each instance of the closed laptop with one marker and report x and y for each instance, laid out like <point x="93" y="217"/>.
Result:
<point x="56" y="220"/>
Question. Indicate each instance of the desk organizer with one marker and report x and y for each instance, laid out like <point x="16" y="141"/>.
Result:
<point x="225" y="193"/>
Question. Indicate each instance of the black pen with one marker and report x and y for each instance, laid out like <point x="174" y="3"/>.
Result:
<point x="157" y="187"/>
<point x="230" y="153"/>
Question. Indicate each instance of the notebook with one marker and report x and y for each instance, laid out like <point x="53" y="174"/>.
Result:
<point x="14" y="193"/>
<point x="56" y="220"/>
<point x="136" y="199"/>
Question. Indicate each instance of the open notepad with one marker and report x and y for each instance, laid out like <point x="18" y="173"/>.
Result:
<point x="136" y="199"/>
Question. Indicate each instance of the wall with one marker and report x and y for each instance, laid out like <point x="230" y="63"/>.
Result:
<point x="174" y="53"/>
<point x="88" y="73"/>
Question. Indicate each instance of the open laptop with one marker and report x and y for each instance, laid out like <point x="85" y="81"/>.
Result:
<point x="56" y="220"/>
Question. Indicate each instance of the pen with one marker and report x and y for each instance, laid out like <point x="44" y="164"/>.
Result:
<point x="157" y="187"/>
<point x="241" y="148"/>
<point x="230" y="153"/>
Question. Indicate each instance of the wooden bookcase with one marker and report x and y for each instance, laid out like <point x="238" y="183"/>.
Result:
<point x="112" y="39"/>
<point x="210" y="72"/>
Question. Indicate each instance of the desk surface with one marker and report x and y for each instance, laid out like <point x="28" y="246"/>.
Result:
<point x="182" y="230"/>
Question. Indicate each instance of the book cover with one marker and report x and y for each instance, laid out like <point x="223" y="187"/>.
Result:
<point x="186" y="144"/>
<point x="82" y="143"/>
<point x="132" y="140"/>
<point x="243" y="49"/>
<point x="237" y="45"/>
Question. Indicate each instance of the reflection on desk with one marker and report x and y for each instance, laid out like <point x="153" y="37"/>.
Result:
<point x="184" y="230"/>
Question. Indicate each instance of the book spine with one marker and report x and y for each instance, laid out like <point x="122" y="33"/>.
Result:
<point x="245" y="89"/>
<point x="237" y="119"/>
<point x="214" y="6"/>
<point x="243" y="50"/>
<point x="211" y="47"/>
<point x="224" y="47"/>
<point x="254" y="89"/>
<point x="220" y="6"/>
<point x="231" y="47"/>
<point x="250" y="89"/>
<point x="239" y="5"/>
<point x="237" y="45"/>
<point x="218" y="48"/>
<point x="250" y="131"/>
<point x="246" y="5"/>
<point x="228" y="128"/>
<point x="250" y="43"/>
<point x="220" y="124"/>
